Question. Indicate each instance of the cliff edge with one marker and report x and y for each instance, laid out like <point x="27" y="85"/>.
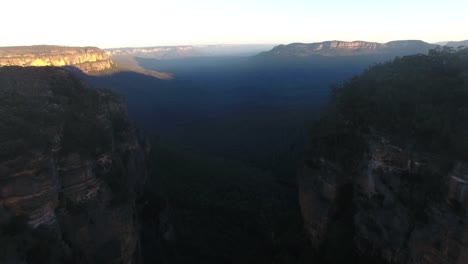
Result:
<point x="71" y="167"/>
<point x="353" y="48"/>
<point x="385" y="178"/>
<point x="90" y="60"/>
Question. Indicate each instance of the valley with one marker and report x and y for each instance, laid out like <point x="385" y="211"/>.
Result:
<point x="290" y="155"/>
<point x="217" y="115"/>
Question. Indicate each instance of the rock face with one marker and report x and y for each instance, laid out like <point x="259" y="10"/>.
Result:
<point x="90" y="60"/>
<point x="70" y="164"/>
<point x="392" y="216"/>
<point x="355" y="48"/>
<point x="376" y="187"/>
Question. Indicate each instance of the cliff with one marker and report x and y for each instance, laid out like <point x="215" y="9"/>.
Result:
<point x="388" y="211"/>
<point x="355" y="48"/>
<point x="385" y="176"/>
<point x="163" y="52"/>
<point x="90" y="60"/>
<point x="71" y="167"/>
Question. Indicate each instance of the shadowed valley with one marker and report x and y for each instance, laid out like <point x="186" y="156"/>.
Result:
<point x="331" y="152"/>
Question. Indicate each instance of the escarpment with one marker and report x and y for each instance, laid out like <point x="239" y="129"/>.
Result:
<point x="353" y="48"/>
<point x="385" y="176"/>
<point x="168" y="52"/>
<point x="400" y="207"/>
<point x="71" y="167"/>
<point x="90" y="60"/>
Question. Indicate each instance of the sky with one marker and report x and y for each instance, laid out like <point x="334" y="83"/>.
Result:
<point x="139" y="23"/>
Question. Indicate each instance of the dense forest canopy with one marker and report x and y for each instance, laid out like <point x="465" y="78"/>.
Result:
<point x="419" y="101"/>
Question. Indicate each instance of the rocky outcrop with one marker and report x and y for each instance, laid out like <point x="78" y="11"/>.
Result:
<point x="70" y="163"/>
<point x="90" y="60"/>
<point x="404" y="207"/>
<point x="354" y="48"/>
<point x="375" y="181"/>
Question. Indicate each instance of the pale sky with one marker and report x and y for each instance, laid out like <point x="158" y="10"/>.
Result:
<point x="123" y="23"/>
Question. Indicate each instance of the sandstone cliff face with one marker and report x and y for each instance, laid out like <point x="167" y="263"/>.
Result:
<point x="402" y="207"/>
<point x="354" y="48"/>
<point x="70" y="163"/>
<point x="90" y="60"/>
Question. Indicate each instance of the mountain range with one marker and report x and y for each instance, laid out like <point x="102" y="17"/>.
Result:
<point x="92" y="60"/>
<point x="354" y="48"/>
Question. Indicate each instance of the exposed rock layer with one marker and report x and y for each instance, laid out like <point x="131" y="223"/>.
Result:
<point x="376" y="186"/>
<point x="355" y="48"/>
<point x="88" y="59"/>
<point x="393" y="217"/>
<point x="78" y="182"/>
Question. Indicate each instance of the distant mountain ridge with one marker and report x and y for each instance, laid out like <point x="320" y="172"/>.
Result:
<point x="457" y="44"/>
<point x="187" y="51"/>
<point x="90" y="60"/>
<point x="162" y="52"/>
<point x="354" y="48"/>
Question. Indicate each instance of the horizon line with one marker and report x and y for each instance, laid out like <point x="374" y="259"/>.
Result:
<point x="224" y="44"/>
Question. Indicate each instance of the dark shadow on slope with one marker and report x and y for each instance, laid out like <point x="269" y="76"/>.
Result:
<point x="234" y="130"/>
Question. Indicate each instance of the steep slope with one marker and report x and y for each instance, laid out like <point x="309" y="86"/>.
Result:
<point x="344" y="48"/>
<point x="70" y="169"/>
<point x="385" y="177"/>
<point x="129" y="63"/>
<point x="90" y="60"/>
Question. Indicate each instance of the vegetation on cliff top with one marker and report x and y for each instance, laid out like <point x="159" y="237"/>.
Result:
<point x="40" y="104"/>
<point x="420" y="102"/>
<point x="48" y="115"/>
